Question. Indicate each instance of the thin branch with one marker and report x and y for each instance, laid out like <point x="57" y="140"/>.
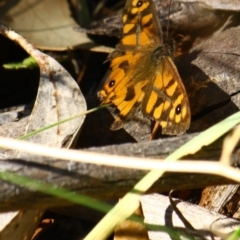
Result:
<point x="120" y="161"/>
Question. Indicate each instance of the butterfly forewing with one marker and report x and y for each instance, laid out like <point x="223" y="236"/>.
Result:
<point x="140" y="24"/>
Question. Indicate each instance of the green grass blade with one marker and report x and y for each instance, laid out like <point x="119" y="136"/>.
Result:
<point x="235" y="235"/>
<point x="50" y="189"/>
<point x="30" y="134"/>
<point x="26" y="63"/>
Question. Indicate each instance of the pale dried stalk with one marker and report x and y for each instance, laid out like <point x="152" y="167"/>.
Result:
<point x="206" y="167"/>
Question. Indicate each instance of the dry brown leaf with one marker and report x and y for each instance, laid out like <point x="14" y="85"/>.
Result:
<point x="58" y="97"/>
<point x="130" y="230"/>
<point x="47" y="24"/>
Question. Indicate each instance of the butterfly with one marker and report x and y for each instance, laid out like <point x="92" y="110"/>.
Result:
<point x="143" y="76"/>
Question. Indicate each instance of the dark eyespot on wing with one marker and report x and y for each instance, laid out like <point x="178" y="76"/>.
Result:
<point x="139" y="3"/>
<point x="111" y="83"/>
<point x="178" y="109"/>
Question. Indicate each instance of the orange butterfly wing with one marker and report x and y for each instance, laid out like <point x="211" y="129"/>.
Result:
<point x="143" y="76"/>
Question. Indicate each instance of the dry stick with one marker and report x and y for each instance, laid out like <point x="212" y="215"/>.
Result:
<point x="205" y="167"/>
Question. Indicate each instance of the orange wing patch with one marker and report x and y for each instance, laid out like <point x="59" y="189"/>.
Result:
<point x="138" y="24"/>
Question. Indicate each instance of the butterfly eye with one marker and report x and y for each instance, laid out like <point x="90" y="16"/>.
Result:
<point x="139" y="3"/>
<point x="111" y="83"/>
<point x="178" y="109"/>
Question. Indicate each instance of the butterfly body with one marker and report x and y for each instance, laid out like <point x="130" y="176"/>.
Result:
<point x="143" y="76"/>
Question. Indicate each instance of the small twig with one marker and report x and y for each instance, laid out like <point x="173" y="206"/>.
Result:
<point x="180" y="215"/>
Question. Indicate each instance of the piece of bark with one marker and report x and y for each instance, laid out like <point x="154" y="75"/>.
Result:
<point x="158" y="210"/>
<point x="95" y="181"/>
<point x="223" y="199"/>
<point x="218" y="59"/>
<point x="100" y="181"/>
<point x="19" y="224"/>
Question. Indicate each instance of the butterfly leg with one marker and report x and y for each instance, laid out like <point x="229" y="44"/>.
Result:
<point x="154" y="131"/>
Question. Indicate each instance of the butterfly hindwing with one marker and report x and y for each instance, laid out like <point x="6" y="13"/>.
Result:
<point x="166" y="100"/>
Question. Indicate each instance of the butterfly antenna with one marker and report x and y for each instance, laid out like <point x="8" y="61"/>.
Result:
<point x="169" y="11"/>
